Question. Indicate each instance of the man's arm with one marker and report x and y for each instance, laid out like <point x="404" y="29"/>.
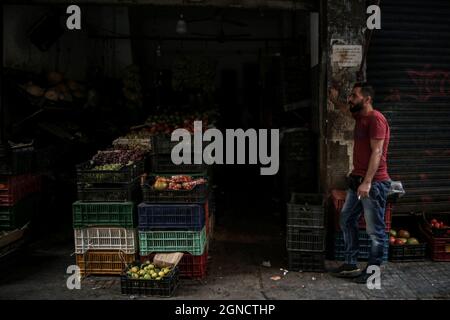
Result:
<point x="377" y="150"/>
<point x="334" y="99"/>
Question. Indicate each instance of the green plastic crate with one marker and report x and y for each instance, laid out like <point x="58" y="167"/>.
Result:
<point x="172" y="241"/>
<point x="113" y="214"/>
<point x="13" y="217"/>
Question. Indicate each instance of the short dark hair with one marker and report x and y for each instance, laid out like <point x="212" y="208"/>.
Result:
<point x="366" y="89"/>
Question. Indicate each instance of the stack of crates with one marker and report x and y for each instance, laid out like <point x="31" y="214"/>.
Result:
<point x="337" y="201"/>
<point x="104" y="218"/>
<point x="306" y="232"/>
<point x="19" y="187"/>
<point x="298" y="169"/>
<point x="175" y="220"/>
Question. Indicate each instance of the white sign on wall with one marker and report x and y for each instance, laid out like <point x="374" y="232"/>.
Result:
<point x="347" y="55"/>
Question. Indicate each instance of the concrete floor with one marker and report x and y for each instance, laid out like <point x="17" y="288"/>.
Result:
<point x="235" y="272"/>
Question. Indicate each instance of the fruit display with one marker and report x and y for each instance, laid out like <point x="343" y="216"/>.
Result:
<point x="148" y="271"/>
<point x="179" y="182"/>
<point x="402" y="237"/>
<point x="108" y="167"/>
<point x="166" y="123"/>
<point x="437" y="226"/>
<point x="121" y="157"/>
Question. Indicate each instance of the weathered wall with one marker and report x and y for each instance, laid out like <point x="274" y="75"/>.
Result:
<point x="346" y="25"/>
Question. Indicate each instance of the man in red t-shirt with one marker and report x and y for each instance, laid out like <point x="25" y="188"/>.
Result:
<point x="369" y="182"/>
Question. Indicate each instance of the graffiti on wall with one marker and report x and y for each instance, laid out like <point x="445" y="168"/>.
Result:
<point x="428" y="83"/>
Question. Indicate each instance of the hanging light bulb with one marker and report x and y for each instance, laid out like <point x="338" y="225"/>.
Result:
<point x="181" y="26"/>
<point x="158" y="50"/>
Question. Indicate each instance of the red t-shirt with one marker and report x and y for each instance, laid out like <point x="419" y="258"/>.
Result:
<point x="372" y="126"/>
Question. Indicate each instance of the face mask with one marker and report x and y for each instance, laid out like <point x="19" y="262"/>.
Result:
<point x="356" y="108"/>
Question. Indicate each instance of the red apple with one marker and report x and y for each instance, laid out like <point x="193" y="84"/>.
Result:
<point x="392" y="240"/>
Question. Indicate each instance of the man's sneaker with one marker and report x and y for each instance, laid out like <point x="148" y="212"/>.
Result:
<point x="346" y="271"/>
<point x="363" y="277"/>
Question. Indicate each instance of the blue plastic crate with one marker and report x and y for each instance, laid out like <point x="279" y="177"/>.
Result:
<point x="364" y="246"/>
<point x="189" y="217"/>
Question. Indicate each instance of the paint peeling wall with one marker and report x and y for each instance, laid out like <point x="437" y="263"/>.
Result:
<point x="346" y="26"/>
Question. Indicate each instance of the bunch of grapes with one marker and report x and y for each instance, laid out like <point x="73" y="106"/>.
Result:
<point x="123" y="157"/>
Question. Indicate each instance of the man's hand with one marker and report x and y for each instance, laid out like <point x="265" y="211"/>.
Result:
<point x="364" y="189"/>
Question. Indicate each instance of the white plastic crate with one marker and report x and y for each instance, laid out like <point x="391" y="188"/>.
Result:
<point x="105" y="239"/>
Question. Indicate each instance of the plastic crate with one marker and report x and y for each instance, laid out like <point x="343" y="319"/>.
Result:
<point x="119" y="214"/>
<point x="103" y="262"/>
<point x="338" y="199"/>
<point x="13" y="217"/>
<point x="191" y="267"/>
<point x="127" y="174"/>
<point x="364" y="246"/>
<point x="171" y="217"/>
<point x="192" y="242"/>
<point x="306" y="210"/>
<point x="161" y="144"/>
<point x="440" y="249"/>
<point x="305" y="239"/>
<point x="306" y="261"/>
<point x="109" y="193"/>
<point x="15" y="188"/>
<point x="162" y="163"/>
<point x="407" y="252"/>
<point x="105" y="239"/>
<point x="165" y="287"/>
<point x="198" y="194"/>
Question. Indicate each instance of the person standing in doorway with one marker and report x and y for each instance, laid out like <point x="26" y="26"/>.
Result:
<point x="369" y="181"/>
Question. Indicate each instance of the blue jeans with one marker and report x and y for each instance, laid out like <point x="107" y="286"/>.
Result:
<point x="374" y="208"/>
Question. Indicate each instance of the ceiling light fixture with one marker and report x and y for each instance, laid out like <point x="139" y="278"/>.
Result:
<point x="181" y="26"/>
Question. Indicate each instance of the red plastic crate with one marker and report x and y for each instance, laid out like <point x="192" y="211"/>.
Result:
<point x="338" y="199"/>
<point x="191" y="267"/>
<point x="15" y="188"/>
<point x="439" y="247"/>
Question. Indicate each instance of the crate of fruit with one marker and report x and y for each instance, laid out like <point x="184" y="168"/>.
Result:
<point x="171" y="216"/>
<point x="149" y="280"/>
<point x="305" y="239"/>
<point x="129" y="143"/>
<point x="16" y="216"/>
<point x="107" y="262"/>
<point x="306" y="261"/>
<point x="405" y="247"/>
<point x="114" y="173"/>
<point x="437" y="224"/>
<point x="15" y="188"/>
<point x="170" y="188"/>
<point x="117" y="214"/>
<point x="162" y="163"/>
<point x="364" y="243"/>
<point x="439" y="247"/>
<point x="192" y="242"/>
<point x="112" y="166"/>
<point x="105" y="239"/>
<point x="338" y="200"/>
<point x="191" y="267"/>
<point x="306" y="210"/>
<point x="88" y="192"/>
